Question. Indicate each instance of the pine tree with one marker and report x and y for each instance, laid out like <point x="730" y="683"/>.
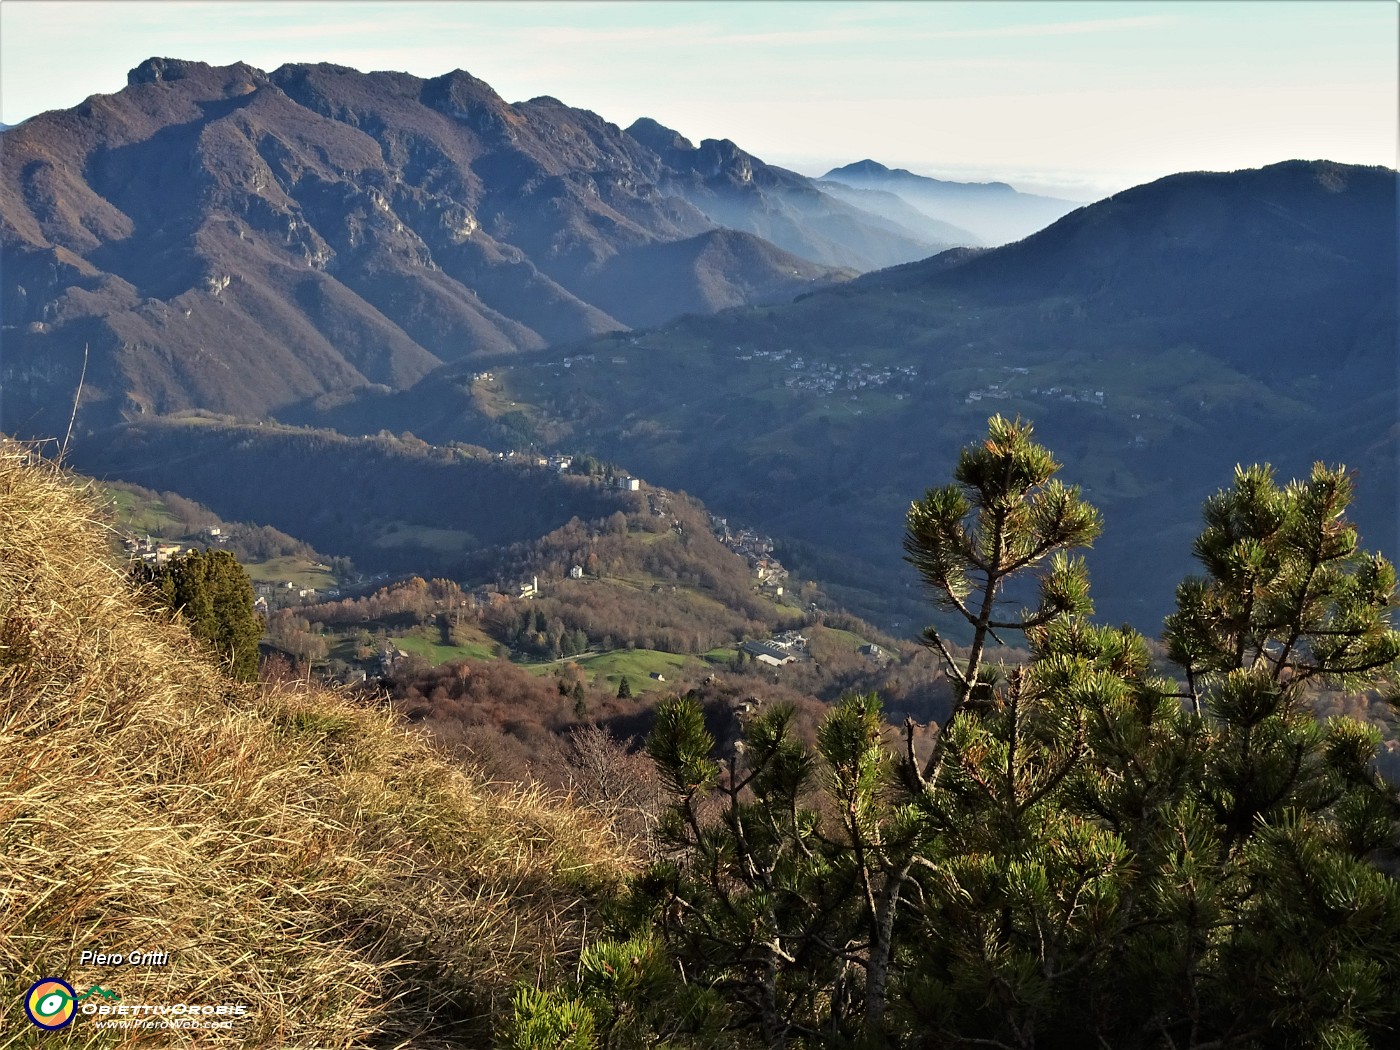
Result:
<point x="580" y="701"/>
<point x="1288" y="595"/>
<point x="830" y="904"/>
<point x="1093" y="854"/>
<point x="624" y="689"/>
<point x="1003" y="519"/>
<point x="212" y="595"/>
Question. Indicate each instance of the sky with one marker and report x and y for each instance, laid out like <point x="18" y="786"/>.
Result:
<point x="1077" y="99"/>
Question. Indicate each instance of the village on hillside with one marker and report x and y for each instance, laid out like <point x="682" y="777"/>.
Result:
<point x="303" y="588"/>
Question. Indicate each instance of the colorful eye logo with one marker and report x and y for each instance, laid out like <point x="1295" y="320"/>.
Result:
<point x="49" y="1003"/>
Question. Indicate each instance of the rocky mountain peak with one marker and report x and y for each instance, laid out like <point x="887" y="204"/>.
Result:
<point x="658" y="138"/>
<point x="154" y="70"/>
<point x="722" y="157"/>
<point x="459" y="92"/>
<point x="166" y="70"/>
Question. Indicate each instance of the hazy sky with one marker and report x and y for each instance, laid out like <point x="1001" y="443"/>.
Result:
<point x="1074" y="98"/>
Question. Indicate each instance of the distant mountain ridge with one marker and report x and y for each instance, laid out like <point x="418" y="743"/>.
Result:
<point x="993" y="211"/>
<point x="896" y="209"/>
<point x="736" y="189"/>
<point x="237" y="240"/>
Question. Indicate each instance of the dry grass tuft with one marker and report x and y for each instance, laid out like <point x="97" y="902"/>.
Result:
<point x="293" y="852"/>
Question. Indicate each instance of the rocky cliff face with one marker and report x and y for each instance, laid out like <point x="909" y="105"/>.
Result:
<point x="238" y="240"/>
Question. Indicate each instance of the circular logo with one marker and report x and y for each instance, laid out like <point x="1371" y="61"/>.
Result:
<point x="49" y="1003"/>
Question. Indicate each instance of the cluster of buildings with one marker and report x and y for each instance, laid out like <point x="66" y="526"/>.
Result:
<point x="781" y="649"/>
<point x="158" y="552"/>
<point x="533" y="459"/>
<point x="771" y="574"/>
<point x="820" y="377"/>
<point x="153" y="552"/>
<point x="490" y="597"/>
<point x="386" y="662"/>
<point x="522" y="590"/>
<point x="756" y="549"/>
<point x="561" y="464"/>
<point x="1088" y="397"/>
<point x="747" y="543"/>
<point x="287" y="588"/>
<point x="996" y="392"/>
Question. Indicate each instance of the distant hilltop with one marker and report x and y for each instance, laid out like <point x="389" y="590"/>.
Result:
<point x="873" y="169"/>
<point x="993" y="211"/>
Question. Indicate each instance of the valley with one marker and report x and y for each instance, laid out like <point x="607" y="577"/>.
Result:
<point x="820" y="420"/>
<point x="659" y="592"/>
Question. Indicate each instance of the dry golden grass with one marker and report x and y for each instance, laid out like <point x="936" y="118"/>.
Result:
<point x="293" y="852"/>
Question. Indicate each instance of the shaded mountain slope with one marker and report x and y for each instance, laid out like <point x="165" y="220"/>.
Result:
<point x="1285" y="268"/>
<point x="897" y="210"/>
<point x="722" y="268"/>
<point x="391" y="504"/>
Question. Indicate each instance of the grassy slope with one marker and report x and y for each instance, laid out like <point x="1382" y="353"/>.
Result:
<point x="292" y="851"/>
<point x="301" y="571"/>
<point x="637" y="665"/>
<point x="845" y="639"/>
<point x="481" y="647"/>
<point x="138" y="515"/>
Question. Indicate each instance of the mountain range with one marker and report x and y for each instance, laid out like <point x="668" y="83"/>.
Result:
<point x="238" y="240"/>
